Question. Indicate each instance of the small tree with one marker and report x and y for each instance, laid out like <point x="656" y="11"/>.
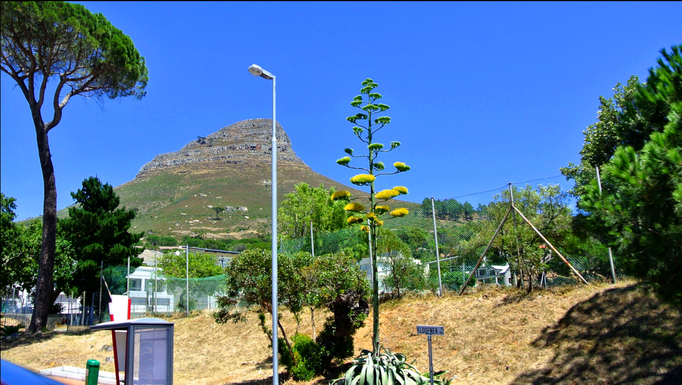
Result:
<point x="201" y="265"/>
<point x="333" y="281"/>
<point x="86" y="55"/>
<point x="366" y="124"/>
<point x="403" y="272"/>
<point x="309" y="204"/>
<point x="547" y="208"/>
<point x="218" y="210"/>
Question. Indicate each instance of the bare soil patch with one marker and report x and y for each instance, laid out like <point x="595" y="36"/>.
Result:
<point x="597" y="334"/>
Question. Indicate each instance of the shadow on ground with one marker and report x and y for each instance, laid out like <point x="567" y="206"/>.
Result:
<point x="620" y="336"/>
<point x="24" y="339"/>
<point x="334" y="373"/>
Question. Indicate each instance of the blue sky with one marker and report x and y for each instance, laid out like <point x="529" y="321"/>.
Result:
<point x="481" y="94"/>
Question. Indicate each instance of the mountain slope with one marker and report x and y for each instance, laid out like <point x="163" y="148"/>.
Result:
<point x="174" y="193"/>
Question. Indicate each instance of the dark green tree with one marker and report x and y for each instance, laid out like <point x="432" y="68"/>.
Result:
<point x="85" y="55"/>
<point x="640" y="209"/>
<point x="98" y="231"/>
<point x="218" y="210"/>
<point x="468" y="211"/>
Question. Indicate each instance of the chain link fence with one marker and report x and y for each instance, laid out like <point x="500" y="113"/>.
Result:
<point x="438" y="244"/>
<point x="454" y="234"/>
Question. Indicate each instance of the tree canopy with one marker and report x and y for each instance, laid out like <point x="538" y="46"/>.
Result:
<point x="310" y="204"/>
<point x="334" y="281"/>
<point x="98" y="231"/>
<point x="85" y="55"/>
<point x="201" y="265"/>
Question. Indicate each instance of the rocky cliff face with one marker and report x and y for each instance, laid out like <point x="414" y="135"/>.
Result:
<point x="245" y="142"/>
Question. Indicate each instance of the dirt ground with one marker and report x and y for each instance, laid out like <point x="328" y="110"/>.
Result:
<point x="596" y="334"/>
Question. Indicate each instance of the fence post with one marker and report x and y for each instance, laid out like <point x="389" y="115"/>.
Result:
<point x="187" y="280"/>
<point x="312" y="240"/>
<point x="128" y="279"/>
<point x="101" y="268"/>
<point x="613" y="269"/>
<point x="435" y="234"/>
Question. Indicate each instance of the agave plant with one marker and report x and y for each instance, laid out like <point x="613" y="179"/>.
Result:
<point x="385" y="368"/>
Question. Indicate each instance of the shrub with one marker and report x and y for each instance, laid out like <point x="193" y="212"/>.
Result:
<point x="305" y="360"/>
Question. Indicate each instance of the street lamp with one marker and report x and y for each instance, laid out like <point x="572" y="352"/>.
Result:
<point x="256" y="70"/>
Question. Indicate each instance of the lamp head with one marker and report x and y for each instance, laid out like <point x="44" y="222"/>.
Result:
<point x="256" y="70"/>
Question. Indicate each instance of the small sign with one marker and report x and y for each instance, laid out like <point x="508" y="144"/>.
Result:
<point x="431" y="330"/>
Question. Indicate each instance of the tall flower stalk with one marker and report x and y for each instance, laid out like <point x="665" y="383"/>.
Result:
<point x="366" y="124"/>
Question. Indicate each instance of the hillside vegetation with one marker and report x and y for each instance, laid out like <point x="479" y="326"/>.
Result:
<point x="597" y="334"/>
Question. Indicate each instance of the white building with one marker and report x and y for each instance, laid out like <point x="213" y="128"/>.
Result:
<point x="148" y="295"/>
<point x="497" y="274"/>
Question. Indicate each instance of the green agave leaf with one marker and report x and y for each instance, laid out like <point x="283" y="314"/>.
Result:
<point x="349" y="375"/>
<point x="383" y="375"/>
<point x="399" y="379"/>
<point x="370" y="375"/>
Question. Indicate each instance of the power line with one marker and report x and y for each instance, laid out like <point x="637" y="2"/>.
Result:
<point x="505" y="186"/>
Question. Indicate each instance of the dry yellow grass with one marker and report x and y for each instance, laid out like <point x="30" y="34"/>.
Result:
<point x="597" y="334"/>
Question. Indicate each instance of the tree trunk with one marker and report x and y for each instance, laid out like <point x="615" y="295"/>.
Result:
<point x="44" y="286"/>
<point x="312" y="320"/>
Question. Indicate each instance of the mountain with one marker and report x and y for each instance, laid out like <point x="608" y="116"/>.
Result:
<point x="174" y="194"/>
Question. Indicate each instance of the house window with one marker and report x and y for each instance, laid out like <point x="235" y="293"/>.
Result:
<point x="482" y="273"/>
<point x="135" y="284"/>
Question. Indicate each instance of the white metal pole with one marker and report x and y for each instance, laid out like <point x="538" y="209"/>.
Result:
<point x="187" y="280"/>
<point x="435" y="234"/>
<point x="258" y="71"/>
<point x="128" y="279"/>
<point x="275" y="368"/>
<point x="156" y="280"/>
<point x="613" y="268"/>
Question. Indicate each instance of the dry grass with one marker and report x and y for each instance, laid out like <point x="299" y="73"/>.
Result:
<point x="599" y="334"/>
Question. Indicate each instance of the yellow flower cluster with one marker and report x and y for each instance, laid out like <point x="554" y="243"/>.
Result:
<point x="343" y="161"/>
<point x="402" y="190"/>
<point x="387" y="194"/>
<point x="341" y="195"/>
<point x="401" y="212"/>
<point x="354" y="207"/>
<point x="362" y="179"/>
<point x="381" y="209"/>
<point x="352" y="220"/>
<point x="401" y="166"/>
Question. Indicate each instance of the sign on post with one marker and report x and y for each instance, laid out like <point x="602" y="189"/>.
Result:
<point x="429" y="331"/>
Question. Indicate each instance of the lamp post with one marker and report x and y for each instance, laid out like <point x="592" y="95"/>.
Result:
<point x="256" y="70"/>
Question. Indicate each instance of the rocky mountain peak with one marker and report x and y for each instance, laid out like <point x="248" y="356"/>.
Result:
<point x="245" y="142"/>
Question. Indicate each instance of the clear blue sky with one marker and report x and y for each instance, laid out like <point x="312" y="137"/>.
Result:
<point x="481" y="94"/>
